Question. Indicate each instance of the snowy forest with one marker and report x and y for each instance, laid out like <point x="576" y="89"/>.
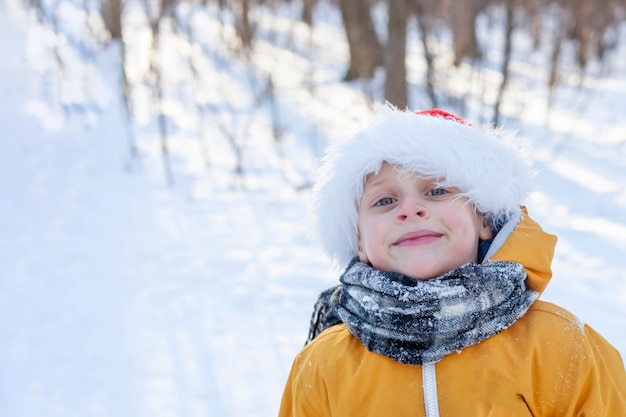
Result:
<point x="157" y="157"/>
<point x="176" y="61"/>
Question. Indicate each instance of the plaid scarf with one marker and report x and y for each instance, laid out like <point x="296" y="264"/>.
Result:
<point x="419" y="321"/>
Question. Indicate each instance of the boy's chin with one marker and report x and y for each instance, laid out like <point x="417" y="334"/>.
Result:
<point x="420" y="274"/>
<point x="422" y="271"/>
<point x="420" y="268"/>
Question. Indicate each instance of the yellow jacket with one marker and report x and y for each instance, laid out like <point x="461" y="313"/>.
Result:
<point x="548" y="363"/>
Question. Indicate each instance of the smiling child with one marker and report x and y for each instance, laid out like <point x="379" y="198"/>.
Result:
<point x="437" y="310"/>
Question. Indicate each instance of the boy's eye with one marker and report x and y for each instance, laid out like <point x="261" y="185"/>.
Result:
<point x="437" y="192"/>
<point x="385" y="201"/>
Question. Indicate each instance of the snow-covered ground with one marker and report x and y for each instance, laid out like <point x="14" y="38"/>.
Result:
<point x="120" y="296"/>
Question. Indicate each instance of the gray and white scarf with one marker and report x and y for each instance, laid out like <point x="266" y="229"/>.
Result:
<point x="418" y="321"/>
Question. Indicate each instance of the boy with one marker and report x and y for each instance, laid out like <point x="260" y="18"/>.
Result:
<point x="437" y="311"/>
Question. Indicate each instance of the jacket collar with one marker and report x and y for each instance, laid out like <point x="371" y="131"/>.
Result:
<point x="523" y="241"/>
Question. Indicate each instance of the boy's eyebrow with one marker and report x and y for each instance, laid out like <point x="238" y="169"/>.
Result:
<point x="374" y="182"/>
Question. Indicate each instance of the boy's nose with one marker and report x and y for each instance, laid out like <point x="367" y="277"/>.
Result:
<point x="411" y="209"/>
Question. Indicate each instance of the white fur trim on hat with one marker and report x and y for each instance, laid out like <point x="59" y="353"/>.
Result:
<point x="493" y="175"/>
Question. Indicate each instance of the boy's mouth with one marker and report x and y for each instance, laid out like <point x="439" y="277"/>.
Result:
<point x="417" y="238"/>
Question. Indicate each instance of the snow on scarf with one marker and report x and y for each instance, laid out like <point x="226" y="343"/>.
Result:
<point x="418" y="321"/>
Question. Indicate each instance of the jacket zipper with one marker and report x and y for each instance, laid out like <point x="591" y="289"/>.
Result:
<point x="429" y="385"/>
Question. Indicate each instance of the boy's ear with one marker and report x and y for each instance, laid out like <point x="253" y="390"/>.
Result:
<point x="362" y="255"/>
<point x="485" y="230"/>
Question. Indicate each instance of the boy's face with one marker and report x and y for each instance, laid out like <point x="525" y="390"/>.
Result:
<point x="409" y="225"/>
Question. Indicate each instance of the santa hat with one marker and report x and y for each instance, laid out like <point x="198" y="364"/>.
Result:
<point x="492" y="174"/>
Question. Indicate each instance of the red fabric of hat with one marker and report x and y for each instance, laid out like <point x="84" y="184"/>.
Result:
<point x="444" y="115"/>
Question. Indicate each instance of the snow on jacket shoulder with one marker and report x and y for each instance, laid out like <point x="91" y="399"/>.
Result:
<point x="548" y="363"/>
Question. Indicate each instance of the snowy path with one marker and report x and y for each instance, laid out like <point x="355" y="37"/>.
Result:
<point x="120" y="297"/>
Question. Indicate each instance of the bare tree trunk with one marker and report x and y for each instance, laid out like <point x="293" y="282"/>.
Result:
<point x="307" y="11"/>
<point x="112" y="15"/>
<point x="165" y="153"/>
<point x="156" y="69"/>
<point x="365" y="50"/>
<point x="582" y="12"/>
<point x="463" y="21"/>
<point x="132" y="146"/>
<point x="243" y="24"/>
<point x="395" y="54"/>
<point x="423" y="24"/>
<point x="554" y="61"/>
<point x="506" y="59"/>
<point x="111" y="11"/>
